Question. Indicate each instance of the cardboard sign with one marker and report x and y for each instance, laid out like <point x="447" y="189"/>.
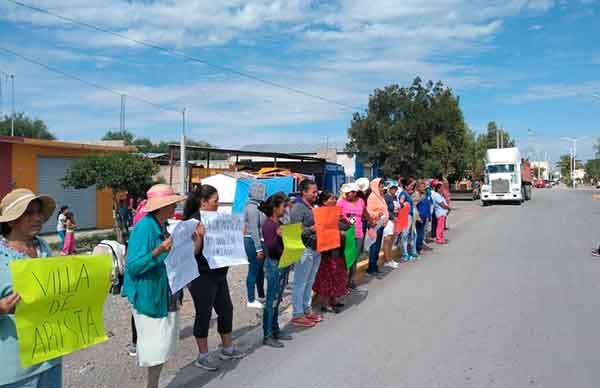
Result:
<point x="61" y="305"/>
<point x="401" y="221"/>
<point x="350" y="252"/>
<point x="326" y="224"/>
<point x="223" y="239"/>
<point x="293" y="247"/>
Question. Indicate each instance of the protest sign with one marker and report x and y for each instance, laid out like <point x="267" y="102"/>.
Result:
<point x="401" y="221"/>
<point x="181" y="263"/>
<point x="223" y="239"/>
<point x="326" y="224"/>
<point x="61" y="305"/>
<point x="350" y="246"/>
<point x="293" y="247"/>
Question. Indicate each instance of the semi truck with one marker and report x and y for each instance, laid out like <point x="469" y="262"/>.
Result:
<point x="502" y="179"/>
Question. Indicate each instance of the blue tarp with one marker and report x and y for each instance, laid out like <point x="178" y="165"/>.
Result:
<point x="273" y="185"/>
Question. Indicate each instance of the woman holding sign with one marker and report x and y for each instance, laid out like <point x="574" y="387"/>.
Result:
<point x="155" y="308"/>
<point x="22" y="215"/>
<point x="211" y="289"/>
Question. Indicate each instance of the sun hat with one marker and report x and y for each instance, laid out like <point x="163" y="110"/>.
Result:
<point x="160" y="196"/>
<point x="15" y="203"/>
<point x="349" y="187"/>
<point x="363" y="184"/>
<point x="390" y="184"/>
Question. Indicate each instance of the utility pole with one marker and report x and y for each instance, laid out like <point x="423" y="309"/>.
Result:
<point x="12" y="119"/>
<point x="497" y="138"/>
<point x="182" y="169"/>
<point x="122" y="118"/>
<point x="573" y="155"/>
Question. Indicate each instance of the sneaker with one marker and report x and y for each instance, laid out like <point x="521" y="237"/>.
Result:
<point x="272" y="342"/>
<point x="406" y="258"/>
<point x="314" y="317"/>
<point x="231" y="355"/>
<point x="255" y="305"/>
<point x="414" y="256"/>
<point x="427" y="248"/>
<point x="204" y="362"/>
<point x="132" y="350"/>
<point x="391" y="264"/>
<point x="303" y="322"/>
<point x="596" y="252"/>
<point x="282" y="336"/>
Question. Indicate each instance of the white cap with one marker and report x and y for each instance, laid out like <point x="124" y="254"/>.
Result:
<point x="363" y="184"/>
<point x="349" y="187"/>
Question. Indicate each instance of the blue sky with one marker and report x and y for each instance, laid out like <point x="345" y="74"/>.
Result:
<point x="523" y="63"/>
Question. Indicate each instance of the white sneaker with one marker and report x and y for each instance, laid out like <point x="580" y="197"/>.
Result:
<point x="391" y="264"/>
<point x="255" y="305"/>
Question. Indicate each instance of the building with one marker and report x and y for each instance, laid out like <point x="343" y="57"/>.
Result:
<point x="353" y="168"/>
<point x="542" y="167"/>
<point x="39" y="165"/>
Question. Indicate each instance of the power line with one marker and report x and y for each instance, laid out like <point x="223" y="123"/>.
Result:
<point x="89" y="83"/>
<point x="183" y="55"/>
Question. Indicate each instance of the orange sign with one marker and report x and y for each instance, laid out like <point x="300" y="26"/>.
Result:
<point x="401" y="221"/>
<point x="326" y="225"/>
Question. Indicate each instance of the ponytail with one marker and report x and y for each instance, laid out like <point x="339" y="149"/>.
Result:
<point x="192" y="204"/>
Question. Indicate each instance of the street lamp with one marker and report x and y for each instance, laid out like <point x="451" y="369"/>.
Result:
<point x="574" y="155"/>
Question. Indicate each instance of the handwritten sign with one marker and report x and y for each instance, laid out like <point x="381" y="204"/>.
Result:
<point x="326" y="224"/>
<point x="61" y="305"/>
<point x="223" y="239"/>
<point x="293" y="247"/>
<point x="180" y="262"/>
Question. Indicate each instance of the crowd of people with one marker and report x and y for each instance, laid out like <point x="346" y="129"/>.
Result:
<point x="321" y="280"/>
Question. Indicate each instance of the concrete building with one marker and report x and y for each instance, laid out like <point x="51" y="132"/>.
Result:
<point x="544" y="167"/>
<point x="39" y="165"/>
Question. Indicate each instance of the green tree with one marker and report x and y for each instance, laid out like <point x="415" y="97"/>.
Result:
<point x="592" y="170"/>
<point x="415" y="130"/>
<point x="119" y="172"/>
<point x="564" y="164"/>
<point x="124" y="135"/>
<point x="26" y="127"/>
<point x="490" y="139"/>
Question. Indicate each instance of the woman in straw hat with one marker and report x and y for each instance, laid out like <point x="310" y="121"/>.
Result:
<point x="155" y="308"/>
<point x="22" y="214"/>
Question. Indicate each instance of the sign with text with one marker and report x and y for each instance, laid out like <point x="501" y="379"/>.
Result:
<point x="293" y="248"/>
<point x="327" y="226"/>
<point x="61" y="304"/>
<point x="223" y="239"/>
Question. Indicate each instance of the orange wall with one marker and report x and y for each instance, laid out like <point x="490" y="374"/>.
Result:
<point x="24" y="173"/>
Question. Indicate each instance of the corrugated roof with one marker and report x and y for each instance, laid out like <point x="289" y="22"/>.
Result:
<point x="64" y="144"/>
<point x="292" y="148"/>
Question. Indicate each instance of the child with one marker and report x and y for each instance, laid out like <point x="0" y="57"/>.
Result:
<point x="69" y="245"/>
<point x="441" y="210"/>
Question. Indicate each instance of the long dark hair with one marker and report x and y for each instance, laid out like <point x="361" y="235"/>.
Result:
<point x="192" y="204"/>
<point x="324" y="197"/>
<point x="272" y="203"/>
<point x="62" y="209"/>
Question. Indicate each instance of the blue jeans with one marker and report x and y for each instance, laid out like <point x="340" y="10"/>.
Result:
<point x="62" y="234"/>
<point x="374" y="252"/>
<point x="276" y="281"/>
<point x="420" y="226"/>
<point x="305" y="273"/>
<point x="409" y="235"/>
<point x="51" y="378"/>
<point x="256" y="274"/>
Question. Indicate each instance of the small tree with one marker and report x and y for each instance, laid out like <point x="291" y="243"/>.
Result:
<point x="124" y="135"/>
<point x="25" y="127"/>
<point x="120" y="172"/>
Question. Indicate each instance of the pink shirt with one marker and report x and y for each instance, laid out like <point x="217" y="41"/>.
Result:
<point x="354" y="210"/>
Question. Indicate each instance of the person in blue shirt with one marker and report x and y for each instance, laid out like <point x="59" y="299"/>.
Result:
<point x="22" y="214"/>
<point x="424" y="208"/>
<point x="409" y="235"/>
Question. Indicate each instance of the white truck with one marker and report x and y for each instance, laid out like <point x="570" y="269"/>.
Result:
<point x="502" y="180"/>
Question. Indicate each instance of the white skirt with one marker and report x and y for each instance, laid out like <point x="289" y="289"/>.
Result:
<point x="157" y="338"/>
<point x="389" y="229"/>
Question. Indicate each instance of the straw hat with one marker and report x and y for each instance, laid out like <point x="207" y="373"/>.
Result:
<point x="15" y="203"/>
<point x="349" y="187"/>
<point x="363" y="184"/>
<point x="160" y="196"/>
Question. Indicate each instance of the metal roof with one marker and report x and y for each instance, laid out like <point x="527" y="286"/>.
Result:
<point x="277" y="155"/>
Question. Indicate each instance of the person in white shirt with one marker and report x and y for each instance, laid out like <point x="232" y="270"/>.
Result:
<point x="61" y="224"/>
<point x="441" y="210"/>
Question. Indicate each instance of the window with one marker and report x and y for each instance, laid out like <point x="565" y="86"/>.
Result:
<point x="499" y="168"/>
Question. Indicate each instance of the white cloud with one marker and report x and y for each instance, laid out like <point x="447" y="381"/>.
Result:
<point x="556" y="91"/>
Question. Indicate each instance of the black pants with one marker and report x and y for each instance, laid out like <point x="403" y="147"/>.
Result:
<point x="210" y="292"/>
<point x="133" y="331"/>
<point x="433" y="227"/>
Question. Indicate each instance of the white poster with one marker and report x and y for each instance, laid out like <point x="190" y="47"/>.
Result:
<point x="181" y="262"/>
<point x="223" y="239"/>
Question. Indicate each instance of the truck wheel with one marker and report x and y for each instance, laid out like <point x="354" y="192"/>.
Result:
<point x="484" y="203"/>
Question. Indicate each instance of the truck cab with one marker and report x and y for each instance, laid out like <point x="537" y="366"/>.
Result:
<point x="502" y="181"/>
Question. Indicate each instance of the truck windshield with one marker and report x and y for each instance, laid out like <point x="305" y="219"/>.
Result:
<point x="498" y="168"/>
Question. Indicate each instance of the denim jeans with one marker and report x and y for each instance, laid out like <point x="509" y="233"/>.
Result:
<point x="374" y="251"/>
<point x="276" y="282"/>
<point x="352" y="269"/>
<point x="62" y="234"/>
<point x="409" y="235"/>
<point x="256" y="274"/>
<point x="50" y="378"/>
<point x="305" y="273"/>
<point x="420" y="226"/>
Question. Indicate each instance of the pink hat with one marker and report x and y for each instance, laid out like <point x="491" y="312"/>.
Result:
<point x="160" y="196"/>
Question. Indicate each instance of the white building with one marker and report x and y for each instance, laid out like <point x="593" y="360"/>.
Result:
<point x="544" y="166"/>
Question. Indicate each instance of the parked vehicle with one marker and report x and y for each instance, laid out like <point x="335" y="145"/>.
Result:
<point x="503" y="180"/>
<point x="540" y="184"/>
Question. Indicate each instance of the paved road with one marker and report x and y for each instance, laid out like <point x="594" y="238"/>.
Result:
<point x="512" y="302"/>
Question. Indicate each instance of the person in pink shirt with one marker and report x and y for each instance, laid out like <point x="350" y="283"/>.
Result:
<point x="353" y="211"/>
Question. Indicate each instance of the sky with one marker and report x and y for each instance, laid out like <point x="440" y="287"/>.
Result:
<point x="526" y="64"/>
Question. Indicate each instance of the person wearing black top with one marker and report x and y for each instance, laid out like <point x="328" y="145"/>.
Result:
<point x="210" y="290"/>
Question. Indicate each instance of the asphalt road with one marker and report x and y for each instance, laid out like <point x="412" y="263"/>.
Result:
<point x="511" y="302"/>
